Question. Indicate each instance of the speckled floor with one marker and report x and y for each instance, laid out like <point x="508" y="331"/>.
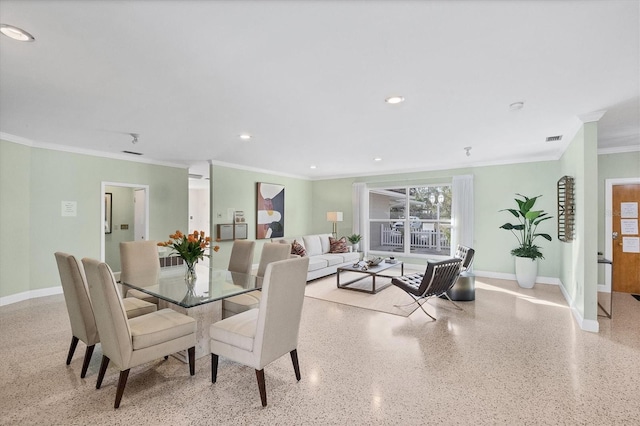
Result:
<point x="511" y="357"/>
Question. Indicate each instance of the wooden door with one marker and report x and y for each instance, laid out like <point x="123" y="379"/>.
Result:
<point x="626" y="260"/>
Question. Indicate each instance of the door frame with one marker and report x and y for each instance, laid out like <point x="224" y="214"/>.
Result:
<point x="608" y="224"/>
<point x="104" y="184"/>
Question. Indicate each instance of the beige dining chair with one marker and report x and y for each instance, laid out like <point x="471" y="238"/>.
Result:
<point x="140" y="265"/>
<point x="259" y="336"/>
<point x="271" y="252"/>
<point x="241" y="258"/>
<point x="80" y="310"/>
<point x="129" y="343"/>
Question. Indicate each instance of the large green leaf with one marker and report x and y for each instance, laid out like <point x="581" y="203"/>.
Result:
<point x="541" y="219"/>
<point x="532" y="215"/>
<point x="545" y="236"/>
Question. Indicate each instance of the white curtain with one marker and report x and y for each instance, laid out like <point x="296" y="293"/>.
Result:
<point x="462" y="212"/>
<point x="360" y="204"/>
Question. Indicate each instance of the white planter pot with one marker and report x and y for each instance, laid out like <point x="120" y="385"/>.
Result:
<point x="355" y="246"/>
<point x="526" y="271"/>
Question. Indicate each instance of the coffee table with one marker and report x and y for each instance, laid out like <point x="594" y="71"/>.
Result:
<point x="372" y="271"/>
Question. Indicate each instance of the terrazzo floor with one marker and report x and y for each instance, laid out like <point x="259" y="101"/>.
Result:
<point x="512" y="357"/>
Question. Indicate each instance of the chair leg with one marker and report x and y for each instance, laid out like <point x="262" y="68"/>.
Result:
<point x="421" y="307"/>
<point x="72" y="348"/>
<point x="103" y="369"/>
<point x="192" y="360"/>
<point x="214" y="368"/>
<point x="454" y="303"/>
<point x="296" y="366"/>
<point x="262" y="386"/>
<point x="87" y="360"/>
<point x="122" y="382"/>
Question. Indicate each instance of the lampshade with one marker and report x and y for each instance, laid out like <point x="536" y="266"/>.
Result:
<point x="334" y="216"/>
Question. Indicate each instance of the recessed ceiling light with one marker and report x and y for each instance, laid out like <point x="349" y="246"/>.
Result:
<point x="394" y="99"/>
<point x="377" y="159"/>
<point x="516" y="106"/>
<point x="245" y="136"/>
<point x="312" y="167"/>
<point x="15" y="33"/>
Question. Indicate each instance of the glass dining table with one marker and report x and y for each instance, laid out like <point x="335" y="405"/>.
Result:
<point x="201" y="300"/>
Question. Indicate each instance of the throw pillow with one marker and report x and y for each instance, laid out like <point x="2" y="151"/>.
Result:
<point x="338" y="246"/>
<point x="297" y="248"/>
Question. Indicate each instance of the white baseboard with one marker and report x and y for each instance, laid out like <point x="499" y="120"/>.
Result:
<point x="586" y="325"/>
<point x="31" y="294"/>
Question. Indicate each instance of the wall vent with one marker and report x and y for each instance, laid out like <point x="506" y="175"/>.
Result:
<point x="132" y="153"/>
<point x="554" y="138"/>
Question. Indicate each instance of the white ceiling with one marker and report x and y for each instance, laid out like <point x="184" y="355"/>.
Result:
<point x="308" y="80"/>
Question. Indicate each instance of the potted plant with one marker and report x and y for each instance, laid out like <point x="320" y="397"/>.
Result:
<point x="354" y="239"/>
<point x="527" y="253"/>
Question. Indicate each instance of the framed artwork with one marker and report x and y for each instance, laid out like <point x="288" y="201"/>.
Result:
<point x="107" y="212"/>
<point x="269" y="211"/>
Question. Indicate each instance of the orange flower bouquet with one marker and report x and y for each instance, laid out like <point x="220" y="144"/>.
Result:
<point x="190" y="247"/>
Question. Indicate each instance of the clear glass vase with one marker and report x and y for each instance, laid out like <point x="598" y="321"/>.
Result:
<point x="190" y="275"/>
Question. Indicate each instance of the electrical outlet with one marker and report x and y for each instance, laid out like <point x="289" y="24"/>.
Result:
<point x="124" y="226"/>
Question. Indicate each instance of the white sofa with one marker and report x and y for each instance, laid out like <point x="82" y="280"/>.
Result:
<point x="321" y="262"/>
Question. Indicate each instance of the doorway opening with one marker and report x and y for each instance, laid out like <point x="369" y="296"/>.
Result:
<point x="124" y="218"/>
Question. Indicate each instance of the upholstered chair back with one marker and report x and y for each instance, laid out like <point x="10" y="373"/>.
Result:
<point x="241" y="259"/>
<point x="76" y="296"/>
<point x="272" y="252"/>
<point x="439" y="277"/>
<point x="139" y="262"/>
<point x="466" y="254"/>
<point x="280" y="309"/>
<point x="109" y="312"/>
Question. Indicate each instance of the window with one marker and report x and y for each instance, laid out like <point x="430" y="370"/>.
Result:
<point x="410" y="220"/>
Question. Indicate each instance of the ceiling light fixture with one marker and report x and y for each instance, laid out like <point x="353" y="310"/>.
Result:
<point x="245" y="136"/>
<point x="516" y="106"/>
<point x="312" y="167"/>
<point x="135" y="138"/>
<point x="15" y="33"/>
<point x="394" y="100"/>
<point x="377" y="159"/>
<point x="468" y="148"/>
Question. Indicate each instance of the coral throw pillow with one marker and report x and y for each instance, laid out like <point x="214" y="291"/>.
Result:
<point x="338" y="246"/>
<point x="297" y="248"/>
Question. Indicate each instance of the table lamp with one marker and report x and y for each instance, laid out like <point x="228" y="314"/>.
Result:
<point x="334" y="217"/>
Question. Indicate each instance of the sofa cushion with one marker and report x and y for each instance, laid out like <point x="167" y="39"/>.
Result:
<point x="312" y="244"/>
<point x="317" y="262"/>
<point x="338" y="246"/>
<point x="324" y="241"/>
<point x="332" y="259"/>
<point x="297" y="248"/>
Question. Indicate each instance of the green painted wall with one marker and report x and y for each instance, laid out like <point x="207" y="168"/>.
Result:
<point x="495" y="188"/>
<point x="579" y="257"/>
<point x="236" y="189"/>
<point x="15" y="177"/>
<point x="49" y="177"/>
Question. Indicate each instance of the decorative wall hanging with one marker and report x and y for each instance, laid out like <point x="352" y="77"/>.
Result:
<point x="566" y="208"/>
<point x="270" y="211"/>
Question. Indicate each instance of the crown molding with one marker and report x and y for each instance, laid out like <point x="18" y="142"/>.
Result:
<point x="619" y="149"/>
<point x="94" y="153"/>
<point x="256" y="169"/>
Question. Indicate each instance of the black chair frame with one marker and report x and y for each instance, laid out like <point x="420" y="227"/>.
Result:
<point x="436" y="281"/>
